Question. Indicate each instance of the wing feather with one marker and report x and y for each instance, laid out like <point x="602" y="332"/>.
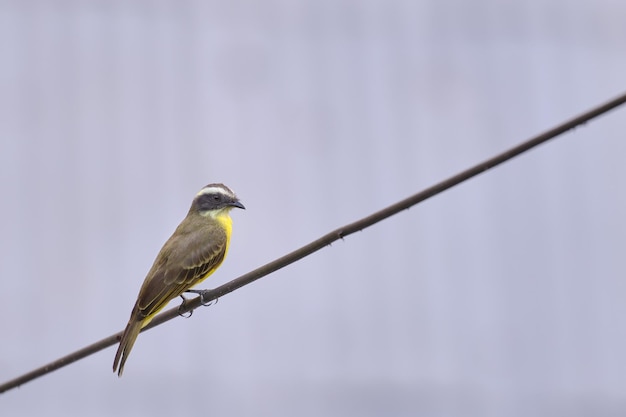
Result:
<point x="185" y="260"/>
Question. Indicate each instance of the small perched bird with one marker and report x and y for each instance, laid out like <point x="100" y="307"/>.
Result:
<point x="195" y="250"/>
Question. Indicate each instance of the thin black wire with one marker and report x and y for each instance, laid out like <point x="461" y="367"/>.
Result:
<point x="325" y="240"/>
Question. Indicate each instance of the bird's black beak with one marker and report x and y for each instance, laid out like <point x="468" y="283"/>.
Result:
<point x="237" y="204"/>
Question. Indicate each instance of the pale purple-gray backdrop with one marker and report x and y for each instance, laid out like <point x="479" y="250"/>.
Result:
<point x="505" y="296"/>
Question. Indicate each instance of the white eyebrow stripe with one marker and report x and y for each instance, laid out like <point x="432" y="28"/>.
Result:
<point x="214" y="190"/>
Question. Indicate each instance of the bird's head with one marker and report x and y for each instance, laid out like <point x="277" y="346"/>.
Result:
<point x="215" y="199"/>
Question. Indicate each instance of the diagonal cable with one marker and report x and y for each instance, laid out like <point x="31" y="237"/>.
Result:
<point x="326" y="240"/>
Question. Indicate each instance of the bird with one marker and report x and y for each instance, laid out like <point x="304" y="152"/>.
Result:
<point x="195" y="250"/>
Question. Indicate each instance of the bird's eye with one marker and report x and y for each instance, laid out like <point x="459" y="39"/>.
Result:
<point x="217" y="197"/>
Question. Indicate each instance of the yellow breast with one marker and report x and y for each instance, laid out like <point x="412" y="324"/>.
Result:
<point x="224" y="219"/>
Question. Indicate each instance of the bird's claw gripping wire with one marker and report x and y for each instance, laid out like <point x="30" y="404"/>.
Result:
<point x="182" y="306"/>
<point x="203" y="294"/>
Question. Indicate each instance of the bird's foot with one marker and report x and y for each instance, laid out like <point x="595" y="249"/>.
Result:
<point x="181" y="308"/>
<point x="205" y="297"/>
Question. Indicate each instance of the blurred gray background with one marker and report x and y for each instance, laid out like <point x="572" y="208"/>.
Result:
<point x="505" y="296"/>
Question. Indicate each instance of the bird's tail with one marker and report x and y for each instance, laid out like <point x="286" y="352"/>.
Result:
<point x="126" y="342"/>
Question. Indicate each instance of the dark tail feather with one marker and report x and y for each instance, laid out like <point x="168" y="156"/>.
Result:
<point x="126" y="343"/>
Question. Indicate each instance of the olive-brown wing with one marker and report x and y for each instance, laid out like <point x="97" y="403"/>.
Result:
<point x="182" y="263"/>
